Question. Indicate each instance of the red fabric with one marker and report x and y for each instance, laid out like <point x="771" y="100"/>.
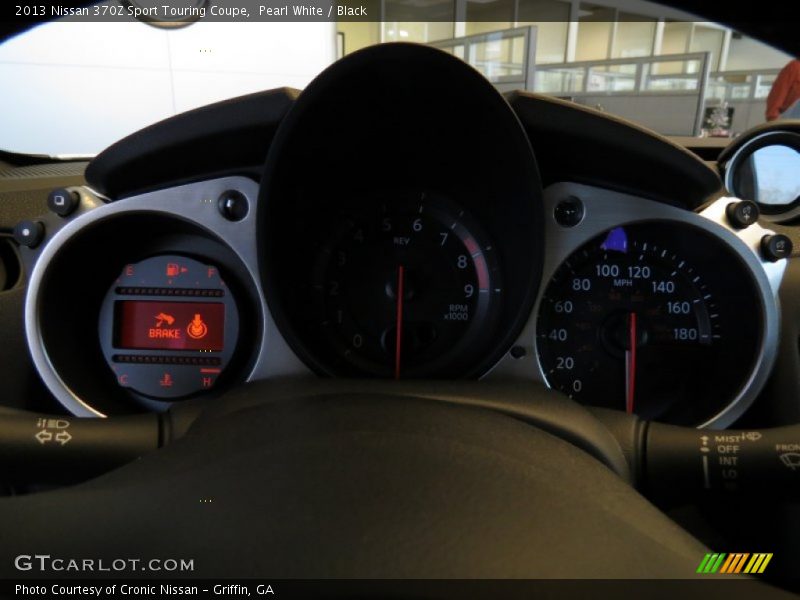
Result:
<point x="785" y="90"/>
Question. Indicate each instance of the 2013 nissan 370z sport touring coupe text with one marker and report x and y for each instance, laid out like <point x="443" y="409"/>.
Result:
<point x="420" y="299"/>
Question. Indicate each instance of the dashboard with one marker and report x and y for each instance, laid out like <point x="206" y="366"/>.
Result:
<point x="410" y="223"/>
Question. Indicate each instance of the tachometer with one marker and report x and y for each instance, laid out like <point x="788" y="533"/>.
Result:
<point x="648" y="314"/>
<point x="407" y="288"/>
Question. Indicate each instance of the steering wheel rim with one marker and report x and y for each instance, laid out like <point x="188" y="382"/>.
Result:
<point x="370" y="485"/>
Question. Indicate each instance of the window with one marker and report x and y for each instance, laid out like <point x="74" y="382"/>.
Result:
<point x="61" y="74"/>
<point x="595" y="25"/>
<point x="551" y="18"/>
<point x="708" y="39"/>
<point x="491" y="15"/>
<point x="418" y="20"/>
<point x="676" y="37"/>
<point x="634" y="37"/>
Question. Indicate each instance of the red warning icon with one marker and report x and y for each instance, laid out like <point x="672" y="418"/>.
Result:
<point x="197" y="328"/>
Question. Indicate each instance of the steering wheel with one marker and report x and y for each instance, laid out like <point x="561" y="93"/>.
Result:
<point x="327" y="482"/>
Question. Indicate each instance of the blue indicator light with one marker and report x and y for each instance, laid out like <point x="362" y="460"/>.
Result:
<point x="616" y="240"/>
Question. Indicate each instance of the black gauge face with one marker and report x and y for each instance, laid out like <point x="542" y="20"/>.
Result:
<point x="406" y="288"/>
<point x="658" y="319"/>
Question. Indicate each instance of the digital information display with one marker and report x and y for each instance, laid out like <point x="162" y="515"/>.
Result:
<point x="142" y="325"/>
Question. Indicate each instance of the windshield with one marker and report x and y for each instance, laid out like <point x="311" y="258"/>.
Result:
<point x="73" y="86"/>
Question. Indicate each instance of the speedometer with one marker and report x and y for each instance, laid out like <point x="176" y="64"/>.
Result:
<point x="634" y="320"/>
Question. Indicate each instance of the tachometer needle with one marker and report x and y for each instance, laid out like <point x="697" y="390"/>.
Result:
<point x="398" y="345"/>
<point x="630" y="364"/>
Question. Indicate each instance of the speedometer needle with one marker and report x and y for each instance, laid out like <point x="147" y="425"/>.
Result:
<point x="398" y="344"/>
<point x="630" y="364"/>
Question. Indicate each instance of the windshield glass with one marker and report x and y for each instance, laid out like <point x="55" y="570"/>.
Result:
<point x="73" y="86"/>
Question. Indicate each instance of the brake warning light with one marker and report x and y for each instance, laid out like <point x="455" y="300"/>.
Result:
<point x="169" y="325"/>
<point x="172" y="334"/>
<point x="161" y="318"/>
<point x="163" y="328"/>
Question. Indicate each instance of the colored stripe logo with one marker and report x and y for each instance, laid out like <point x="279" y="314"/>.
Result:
<point x="734" y="563"/>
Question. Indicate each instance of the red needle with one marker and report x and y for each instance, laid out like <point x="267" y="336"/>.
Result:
<point x="630" y="364"/>
<point x="398" y="345"/>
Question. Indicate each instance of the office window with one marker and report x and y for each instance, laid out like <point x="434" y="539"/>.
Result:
<point x="416" y="31"/>
<point x="676" y="37"/>
<point x="357" y="35"/>
<point x="551" y="18"/>
<point x="418" y="20"/>
<point x="491" y="15"/>
<point x="634" y="37"/>
<point x="708" y="39"/>
<point x="675" y="41"/>
<point x="595" y="25"/>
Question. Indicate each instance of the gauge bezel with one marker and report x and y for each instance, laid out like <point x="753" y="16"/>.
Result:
<point x="201" y="232"/>
<point x="336" y="141"/>
<point x="606" y="209"/>
<point x="695" y="276"/>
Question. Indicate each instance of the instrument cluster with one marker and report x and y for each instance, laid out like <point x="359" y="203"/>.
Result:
<point x="425" y="261"/>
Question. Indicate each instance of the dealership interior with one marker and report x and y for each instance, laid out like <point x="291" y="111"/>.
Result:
<point x="654" y="66"/>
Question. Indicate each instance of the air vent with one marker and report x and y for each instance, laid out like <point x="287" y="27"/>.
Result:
<point x="9" y="264"/>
